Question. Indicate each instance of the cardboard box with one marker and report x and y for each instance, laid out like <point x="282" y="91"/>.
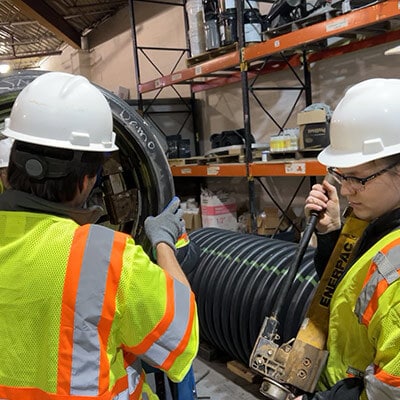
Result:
<point x="218" y="210"/>
<point x="310" y="117"/>
<point x="192" y="220"/>
<point x="313" y="130"/>
<point x="268" y="221"/>
<point x="271" y="221"/>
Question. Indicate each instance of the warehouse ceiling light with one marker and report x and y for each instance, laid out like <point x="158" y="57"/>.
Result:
<point x="4" y="68"/>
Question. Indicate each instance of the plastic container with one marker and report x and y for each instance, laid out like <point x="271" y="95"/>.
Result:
<point x="252" y="26"/>
<point x="264" y="156"/>
<point x="212" y="38"/>
<point x="286" y="142"/>
<point x="196" y="33"/>
<point x="211" y="24"/>
<point x="226" y="5"/>
<point x="197" y="43"/>
<point x="250" y="5"/>
<point x="228" y="27"/>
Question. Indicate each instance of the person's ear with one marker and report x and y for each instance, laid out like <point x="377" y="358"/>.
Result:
<point x="88" y="183"/>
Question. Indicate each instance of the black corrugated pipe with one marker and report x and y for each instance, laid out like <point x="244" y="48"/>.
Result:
<point x="236" y="282"/>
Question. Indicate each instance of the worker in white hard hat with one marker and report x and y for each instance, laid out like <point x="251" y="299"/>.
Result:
<point x="81" y="305"/>
<point x="364" y="326"/>
<point x="5" y="149"/>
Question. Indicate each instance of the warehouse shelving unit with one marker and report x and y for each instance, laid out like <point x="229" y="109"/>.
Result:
<point x="360" y="28"/>
<point x="303" y="167"/>
<point x="183" y="105"/>
<point x="355" y="22"/>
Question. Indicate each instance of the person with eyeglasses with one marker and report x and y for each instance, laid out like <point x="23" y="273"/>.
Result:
<point x="364" y="323"/>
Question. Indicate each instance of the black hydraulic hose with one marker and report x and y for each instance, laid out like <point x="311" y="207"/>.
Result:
<point x="303" y="244"/>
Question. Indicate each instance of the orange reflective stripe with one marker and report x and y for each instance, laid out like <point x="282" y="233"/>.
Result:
<point x="185" y="340"/>
<point x="373" y="303"/>
<point x="68" y="310"/>
<point x="120" y="386"/>
<point x="373" y="266"/>
<point x="136" y="395"/>
<point x="7" y="392"/>
<point x="394" y="243"/>
<point x="108" y="311"/>
<point x="389" y="379"/>
<point x="373" y="296"/>
<point x="162" y="326"/>
<point x="370" y="272"/>
<point x="129" y="358"/>
<point x="71" y="285"/>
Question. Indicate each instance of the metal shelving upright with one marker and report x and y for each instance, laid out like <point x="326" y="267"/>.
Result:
<point x="144" y="107"/>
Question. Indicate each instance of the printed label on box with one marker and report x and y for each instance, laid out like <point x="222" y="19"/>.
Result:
<point x="218" y="210"/>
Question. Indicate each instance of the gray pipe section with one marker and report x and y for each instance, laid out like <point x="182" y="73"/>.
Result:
<point x="236" y="282"/>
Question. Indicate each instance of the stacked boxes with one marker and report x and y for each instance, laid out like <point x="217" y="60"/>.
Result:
<point x="314" y="129"/>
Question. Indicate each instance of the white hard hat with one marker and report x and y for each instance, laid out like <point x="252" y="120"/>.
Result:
<point x="5" y="149"/>
<point x="365" y="125"/>
<point x="61" y="110"/>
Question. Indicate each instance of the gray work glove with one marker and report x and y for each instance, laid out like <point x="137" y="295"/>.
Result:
<point x="166" y="227"/>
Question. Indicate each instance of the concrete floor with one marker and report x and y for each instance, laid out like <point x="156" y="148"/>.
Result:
<point x="215" y="382"/>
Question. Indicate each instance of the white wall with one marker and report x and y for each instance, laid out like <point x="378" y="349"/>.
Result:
<point x="111" y="65"/>
<point x="111" y="59"/>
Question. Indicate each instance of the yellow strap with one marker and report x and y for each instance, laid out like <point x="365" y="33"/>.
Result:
<point x="315" y="329"/>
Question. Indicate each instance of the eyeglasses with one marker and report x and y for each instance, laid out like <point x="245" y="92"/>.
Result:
<point x="356" y="183"/>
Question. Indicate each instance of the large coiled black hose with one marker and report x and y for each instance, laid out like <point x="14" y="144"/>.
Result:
<point x="236" y="282"/>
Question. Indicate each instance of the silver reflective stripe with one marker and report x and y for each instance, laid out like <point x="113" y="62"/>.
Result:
<point x="88" y="307"/>
<point x="133" y="372"/>
<point x="122" y="396"/>
<point x="386" y="269"/>
<point x="376" y="389"/>
<point x="160" y="350"/>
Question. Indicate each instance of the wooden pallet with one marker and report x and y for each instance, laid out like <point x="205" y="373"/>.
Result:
<point x="209" y="353"/>
<point x="179" y="162"/>
<point x="243" y="371"/>
<point x="233" y="150"/>
<point x="211" y="54"/>
<point x="230" y="158"/>
<point x="297" y="155"/>
<point x="222" y="157"/>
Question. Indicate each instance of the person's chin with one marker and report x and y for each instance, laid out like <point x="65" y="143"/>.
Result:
<point x="361" y="213"/>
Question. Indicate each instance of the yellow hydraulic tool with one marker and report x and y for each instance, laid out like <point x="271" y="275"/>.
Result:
<point x="294" y="367"/>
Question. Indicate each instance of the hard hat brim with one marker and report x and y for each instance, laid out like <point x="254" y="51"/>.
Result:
<point x="92" y="147"/>
<point x="341" y="159"/>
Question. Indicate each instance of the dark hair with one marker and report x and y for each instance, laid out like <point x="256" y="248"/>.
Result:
<point x="61" y="189"/>
<point x="390" y="160"/>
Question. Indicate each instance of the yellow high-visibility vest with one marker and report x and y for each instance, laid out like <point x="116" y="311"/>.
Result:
<point x="80" y="306"/>
<point x="364" y="334"/>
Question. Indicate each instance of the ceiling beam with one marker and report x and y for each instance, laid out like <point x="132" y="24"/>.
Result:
<point x="31" y="55"/>
<point x="46" y="16"/>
